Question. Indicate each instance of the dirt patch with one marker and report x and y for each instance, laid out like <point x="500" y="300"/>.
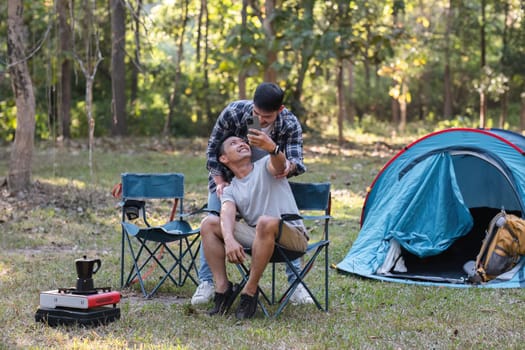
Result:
<point x="47" y="195"/>
<point x="138" y="299"/>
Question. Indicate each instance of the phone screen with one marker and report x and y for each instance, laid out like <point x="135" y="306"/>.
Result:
<point x="254" y="124"/>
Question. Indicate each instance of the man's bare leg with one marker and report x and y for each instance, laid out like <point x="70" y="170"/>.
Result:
<point x="262" y="250"/>
<point x="214" y="251"/>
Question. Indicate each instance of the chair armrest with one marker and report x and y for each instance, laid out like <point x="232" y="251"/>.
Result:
<point x="291" y="217"/>
<point x="202" y="209"/>
<point x="316" y="217"/>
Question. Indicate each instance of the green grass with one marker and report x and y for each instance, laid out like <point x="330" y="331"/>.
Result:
<point x="71" y="213"/>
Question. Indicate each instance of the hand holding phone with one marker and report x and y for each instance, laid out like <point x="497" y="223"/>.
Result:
<point x="254" y="123"/>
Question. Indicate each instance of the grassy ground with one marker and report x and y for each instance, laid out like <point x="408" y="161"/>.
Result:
<point x="70" y="213"/>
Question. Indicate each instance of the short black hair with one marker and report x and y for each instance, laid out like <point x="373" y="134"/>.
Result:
<point x="219" y="149"/>
<point x="268" y="97"/>
<point x="227" y="174"/>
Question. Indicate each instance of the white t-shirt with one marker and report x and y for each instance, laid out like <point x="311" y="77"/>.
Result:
<point x="260" y="193"/>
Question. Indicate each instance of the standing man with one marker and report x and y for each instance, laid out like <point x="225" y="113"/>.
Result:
<point x="280" y="131"/>
<point x="260" y="197"/>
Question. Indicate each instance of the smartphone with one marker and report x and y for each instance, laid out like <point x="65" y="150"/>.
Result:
<point x="254" y="123"/>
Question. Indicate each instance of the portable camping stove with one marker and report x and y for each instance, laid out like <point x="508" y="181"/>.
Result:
<point x="81" y="305"/>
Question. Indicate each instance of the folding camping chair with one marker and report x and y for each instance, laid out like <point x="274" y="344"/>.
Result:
<point x="170" y="248"/>
<point x="313" y="199"/>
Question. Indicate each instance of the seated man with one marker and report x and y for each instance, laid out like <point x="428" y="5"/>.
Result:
<point x="260" y="198"/>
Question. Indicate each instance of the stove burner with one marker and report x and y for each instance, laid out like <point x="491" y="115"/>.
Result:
<point x="73" y="290"/>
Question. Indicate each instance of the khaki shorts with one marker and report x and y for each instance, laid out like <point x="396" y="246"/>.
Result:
<point x="292" y="237"/>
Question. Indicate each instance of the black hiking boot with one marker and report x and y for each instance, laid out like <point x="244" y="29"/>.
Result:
<point x="247" y="306"/>
<point x="223" y="301"/>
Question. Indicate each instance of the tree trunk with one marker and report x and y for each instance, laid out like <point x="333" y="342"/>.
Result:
<point x="304" y="57"/>
<point x="271" y="56"/>
<point x="245" y="50"/>
<point x="90" y="119"/>
<point x="403" y="107"/>
<point x="350" y="110"/>
<point x="482" y="109"/>
<point x="180" y="55"/>
<point x="89" y="67"/>
<point x="19" y="173"/>
<point x="366" y="66"/>
<point x="366" y="63"/>
<point x="503" y="60"/>
<point x="64" y="108"/>
<point x="447" y="81"/>
<point x="118" y="69"/>
<point x="135" y="67"/>
<point x="504" y="109"/>
<point x="482" y="33"/>
<point x="341" y="115"/>
<point x="522" y="112"/>
<point x="482" y="96"/>
<point x="202" y="66"/>
<point x="205" y="66"/>
<point x="395" y="111"/>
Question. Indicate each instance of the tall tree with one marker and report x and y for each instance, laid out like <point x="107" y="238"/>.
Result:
<point x="64" y="28"/>
<point x="19" y="173"/>
<point x="522" y="112"/>
<point x="118" y="69"/>
<point x="349" y="105"/>
<point x="304" y="44"/>
<point x="343" y="53"/>
<point x="341" y="96"/>
<point x="89" y="65"/>
<point x="178" y="71"/>
<point x="202" y="59"/>
<point x="505" y="40"/>
<point x="447" y="80"/>
<point x="136" y="64"/>
<point x="244" y="51"/>
<point x="482" y="92"/>
<point x="266" y="18"/>
<point x="270" y="74"/>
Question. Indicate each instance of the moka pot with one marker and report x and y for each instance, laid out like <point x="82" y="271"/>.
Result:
<point x="85" y="270"/>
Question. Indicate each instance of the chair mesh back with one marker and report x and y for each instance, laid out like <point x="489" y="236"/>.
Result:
<point x="311" y="196"/>
<point x="140" y="186"/>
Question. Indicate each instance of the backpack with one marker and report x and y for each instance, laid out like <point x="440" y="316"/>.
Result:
<point x="502" y="247"/>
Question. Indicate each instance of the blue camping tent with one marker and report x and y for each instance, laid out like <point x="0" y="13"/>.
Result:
<point x="426" y="212"/>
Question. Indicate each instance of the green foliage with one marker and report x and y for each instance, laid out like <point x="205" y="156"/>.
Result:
<point x="7" y="120"/>
<point x="369" y="125"/>
<point x="458" y="122"/>
<point x="397" y="50"/>
<point x="492" y="83"/>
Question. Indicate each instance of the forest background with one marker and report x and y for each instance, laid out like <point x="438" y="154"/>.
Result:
<point x="167" y="68"/>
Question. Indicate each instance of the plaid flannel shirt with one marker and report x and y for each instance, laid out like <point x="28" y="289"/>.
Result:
<point x="286" y="133"/>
